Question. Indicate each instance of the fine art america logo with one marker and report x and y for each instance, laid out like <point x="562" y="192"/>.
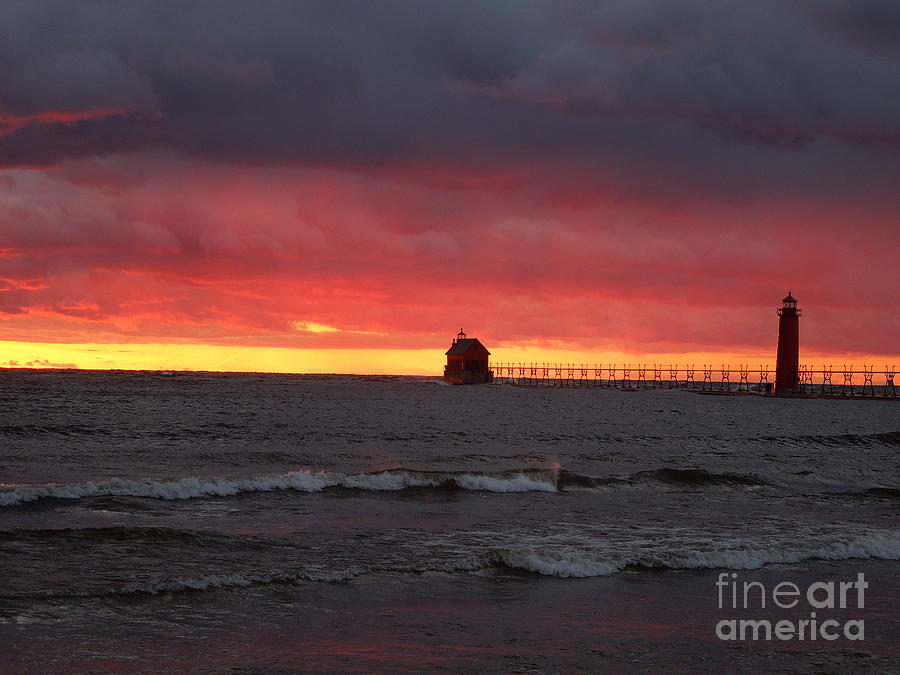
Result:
<point x="816" y="625"/>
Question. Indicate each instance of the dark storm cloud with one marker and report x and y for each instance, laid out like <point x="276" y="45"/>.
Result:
<point x="873" y="25"/>
<point x="627" y="84"/>
<point x="253" y="81"/>
<point x="748" y="70"/>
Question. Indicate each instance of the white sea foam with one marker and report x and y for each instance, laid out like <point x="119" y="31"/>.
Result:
<point x="520" y="482"/>
<point x="304" y="481"/>
<point x="560" y="564"/>
<point x="179" y="488"/>
<point x="570" y="562"/>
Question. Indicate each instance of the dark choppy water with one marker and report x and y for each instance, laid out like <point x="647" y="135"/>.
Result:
<point x="264" y="522"/>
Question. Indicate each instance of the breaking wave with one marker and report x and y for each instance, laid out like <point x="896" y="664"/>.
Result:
<point x="560" y="562"/>
<point x="526" y="480"/>
<point x="391" y="480"/>
<point x="568" y="563"/>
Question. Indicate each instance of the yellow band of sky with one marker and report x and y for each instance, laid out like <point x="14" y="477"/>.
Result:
<point x="158" y="356"/>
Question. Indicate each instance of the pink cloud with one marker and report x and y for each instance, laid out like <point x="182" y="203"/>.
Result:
<point x="115" y="249"/>
<point x="11" y="123"/>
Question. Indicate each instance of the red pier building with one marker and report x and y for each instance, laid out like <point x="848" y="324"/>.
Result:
<point x="467" y="361"/>
<point x="787" y="363"/>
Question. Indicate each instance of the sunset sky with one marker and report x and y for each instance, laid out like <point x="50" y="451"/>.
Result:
<point x="340" y="186"/>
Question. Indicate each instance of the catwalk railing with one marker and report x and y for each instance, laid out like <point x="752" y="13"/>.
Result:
<point x="811" y="380"/>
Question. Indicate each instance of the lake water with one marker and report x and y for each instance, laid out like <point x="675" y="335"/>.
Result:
<point x="271" y="523"/>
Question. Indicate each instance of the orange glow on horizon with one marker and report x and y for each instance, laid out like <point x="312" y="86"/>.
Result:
<point x="222" y="358"/>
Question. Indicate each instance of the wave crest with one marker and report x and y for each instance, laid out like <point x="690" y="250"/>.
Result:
<point x="526" y="480"/>
<point x="570" y="563"/>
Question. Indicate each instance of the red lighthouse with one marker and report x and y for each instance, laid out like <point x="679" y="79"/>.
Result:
<point x="467" y="361"/>
<point x="787" y="364"/>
